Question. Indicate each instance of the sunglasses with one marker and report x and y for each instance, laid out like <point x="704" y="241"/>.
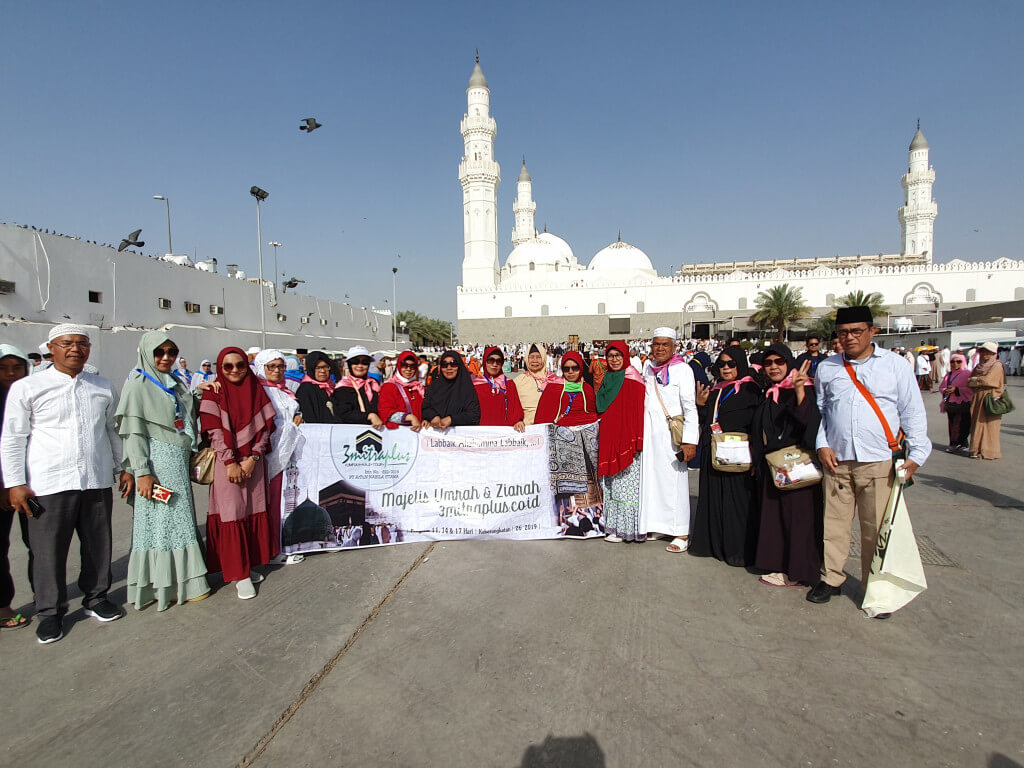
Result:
<point x="449" y="364"/>
<point x="234" y="366"/>
<point x="359" y="361"/>
<point x="570" y="367"/>
<point x="172" y="352"/>
<point x="727" y="364"/>
<point x="408" y="364"/>
<point x="812" y="343"/>
<point x="495" y="359"/>
<point x="775" y="361"/>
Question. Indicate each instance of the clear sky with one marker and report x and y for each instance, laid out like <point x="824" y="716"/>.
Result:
<point x="713" y="131"/>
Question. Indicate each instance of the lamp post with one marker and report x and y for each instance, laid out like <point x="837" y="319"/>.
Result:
<point x="170" y="250"/>
<point x="276" y="246"/>
<point x="394" y="305"/>
<point x="260" y="196"/>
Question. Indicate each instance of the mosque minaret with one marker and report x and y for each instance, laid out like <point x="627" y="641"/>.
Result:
<point x="524" y="209"/>
<point x="917" y="215"/>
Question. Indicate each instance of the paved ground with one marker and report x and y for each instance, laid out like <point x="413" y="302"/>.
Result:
<point x="552" y="654"/>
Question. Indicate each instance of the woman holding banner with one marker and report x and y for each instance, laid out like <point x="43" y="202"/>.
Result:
<point x="531" y="383"/>
<point x="401" y="397"/>
<point x="355" y="397"/>
<point x="620" y="401"/>
<point x="569" y="401"/>
<point x="314" y="393"/>
<point x="499" y="399"/>
<point x="450" y="399"/>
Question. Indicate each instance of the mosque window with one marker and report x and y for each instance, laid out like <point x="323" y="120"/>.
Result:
<point x="508" y="311"/>
<point x="639" y="307"/>
<point x="95" y="297"/>
<point x="972" y="295"/>
<point x="1018" y="293"/>
<point x="829" y="299"/>
<point x="600" y="308"/>
<point x="543" y="310"/>
<point x="556" y="266"/>
<point x="743" y="303"/>
<point x="532" y="266"/>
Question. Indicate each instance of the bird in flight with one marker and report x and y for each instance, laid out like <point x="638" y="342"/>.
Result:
<point x="310" y="125"/>
<point x="132" y="239"/>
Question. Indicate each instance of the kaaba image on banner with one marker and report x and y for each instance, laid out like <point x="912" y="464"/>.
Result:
<point x="345" y="504"/>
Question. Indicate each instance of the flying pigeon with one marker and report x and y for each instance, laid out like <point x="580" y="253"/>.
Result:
<point x="310" y="125"/>
<point x="132" y="239"/>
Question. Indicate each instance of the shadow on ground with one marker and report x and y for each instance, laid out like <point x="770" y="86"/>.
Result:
<point x="573" y="752"/>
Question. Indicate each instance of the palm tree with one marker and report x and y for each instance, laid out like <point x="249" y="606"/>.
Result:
<point x="778" y="307"/>
<point x="871" y="299"/>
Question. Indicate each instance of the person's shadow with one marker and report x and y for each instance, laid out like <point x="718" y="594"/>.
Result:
<point x="564" y="752"/>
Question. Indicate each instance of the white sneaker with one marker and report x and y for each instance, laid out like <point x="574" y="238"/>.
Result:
<point x="246" y="591"/>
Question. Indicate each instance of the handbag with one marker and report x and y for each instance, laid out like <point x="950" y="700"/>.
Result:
<point x="201" y="465"/>
<point x="675" y="423"/>
<point x="793" y="467"/>
<point x="730" y="451"/>
<point x="998" y="406"/>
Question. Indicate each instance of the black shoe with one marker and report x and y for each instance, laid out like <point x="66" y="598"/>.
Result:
<point x="49" y="630"/>
<point x="104" y="610"/>
<point x="882" y="616"/>
<point x="823" y="592"/>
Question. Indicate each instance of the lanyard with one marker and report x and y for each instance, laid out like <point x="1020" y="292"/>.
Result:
<point x="168" y="390"/>
<point x="572" y="397"/>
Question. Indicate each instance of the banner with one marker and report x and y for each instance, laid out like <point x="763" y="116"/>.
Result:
<point x="350" y="486"/>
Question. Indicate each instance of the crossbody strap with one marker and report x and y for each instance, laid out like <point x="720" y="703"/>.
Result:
<point x="894" y="442"/>
<point x="658" y="393"/>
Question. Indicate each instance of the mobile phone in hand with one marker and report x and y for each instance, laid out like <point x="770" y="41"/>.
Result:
<point x="34" y="505"/>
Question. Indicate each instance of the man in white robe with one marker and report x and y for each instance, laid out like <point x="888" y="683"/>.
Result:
<point x="664" y="482"/>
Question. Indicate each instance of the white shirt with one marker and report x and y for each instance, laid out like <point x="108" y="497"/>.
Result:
<point x="59" y="434"/>
<point x="850" y="427"/>
<point x="924" y="365"/>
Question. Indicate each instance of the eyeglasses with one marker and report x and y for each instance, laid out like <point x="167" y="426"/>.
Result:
<point x="449" y="364"/>
<point x="172" y="352"/>
<point x="777" y="362"/>
<point x="273" y="367"/>
<point x="727" y="364"/>
<point x="617" y="355"/>
<point x="855" y="332"/>
<point x="570" y="367"/>
<point x="234" y="366"/>
<point x="321" y="367"/>
<point x="66" y="345"/>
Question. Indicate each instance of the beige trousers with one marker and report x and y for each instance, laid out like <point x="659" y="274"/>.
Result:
<point x="860" y="488"/>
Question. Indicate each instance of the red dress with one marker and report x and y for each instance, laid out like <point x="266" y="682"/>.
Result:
<point x="555" y="400"/>
<point x="498" y="408"/>
<point x="391" y="401"/>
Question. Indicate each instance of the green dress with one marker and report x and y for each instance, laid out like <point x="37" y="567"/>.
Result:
<point x="166" y="563"/>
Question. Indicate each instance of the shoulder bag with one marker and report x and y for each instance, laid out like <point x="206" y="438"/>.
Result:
<point x="202" y="463"/>
<point x="793" y="467"/>
<point x="730" y="451"/>
<point x="675" y="423"/>
<point x="998" y="406"/>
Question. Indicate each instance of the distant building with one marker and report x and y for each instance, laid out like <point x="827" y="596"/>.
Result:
<point x="544" y="292"/>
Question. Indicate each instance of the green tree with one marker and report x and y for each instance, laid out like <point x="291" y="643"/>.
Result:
<point x="872" y="299"/>
<point x="425" y="330"/>
<point x="779" y="307"/>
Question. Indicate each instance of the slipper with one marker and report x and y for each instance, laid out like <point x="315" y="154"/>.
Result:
<point x="17" y="621"/>
<point x="197" y="599"/>
<point x="773" y="583"/>
<point x="678" y="545"/>
<point x="293" y="559"/>
<point x="613" y="538"/>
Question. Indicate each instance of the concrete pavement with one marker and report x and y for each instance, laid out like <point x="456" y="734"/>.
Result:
<point x="552" y="654"/>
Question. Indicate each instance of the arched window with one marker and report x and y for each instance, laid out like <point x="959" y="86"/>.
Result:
<point x="556" y="266"/>
<point x="639" y="307"/>
<point x="508" y="311"/>
<point x="972" y="295"/>
<point x="532" y="266"/>
<point x="830" y="299"/>
<point x="743" y="303"/>
<point x="543" y="310"/>
<point x="600" y="308"/>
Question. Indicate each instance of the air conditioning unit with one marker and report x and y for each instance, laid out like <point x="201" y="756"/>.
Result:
<point x="163" y="303"/>
<point x="304" y="320"/>
<point x="215" y="310"/>
<point x="191" y="307"/>
<point x="281" y="318"/>
<point x="323" y="321"/>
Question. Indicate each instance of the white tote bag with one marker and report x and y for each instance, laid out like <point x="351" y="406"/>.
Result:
<point x="897" y="576"/>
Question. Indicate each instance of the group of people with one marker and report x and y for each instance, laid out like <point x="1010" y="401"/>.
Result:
<point x="663" y="409"/>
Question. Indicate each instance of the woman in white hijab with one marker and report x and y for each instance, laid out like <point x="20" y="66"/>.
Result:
<point x="269" y="366"/>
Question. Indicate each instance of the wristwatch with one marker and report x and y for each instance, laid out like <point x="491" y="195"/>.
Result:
<point x="255" y="457"/>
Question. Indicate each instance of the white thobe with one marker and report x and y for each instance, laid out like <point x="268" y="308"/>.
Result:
<point x="664" y="482"/>
<point x="943" y="359"/>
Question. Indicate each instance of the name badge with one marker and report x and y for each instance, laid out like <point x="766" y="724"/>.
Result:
<point x="716" y="428"/>
<point x="179" y="425"/>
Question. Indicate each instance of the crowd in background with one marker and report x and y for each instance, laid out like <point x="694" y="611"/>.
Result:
<point x="666" y="406"/>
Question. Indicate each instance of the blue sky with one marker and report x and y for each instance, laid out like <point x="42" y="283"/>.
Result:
<point x="715" y="131"/>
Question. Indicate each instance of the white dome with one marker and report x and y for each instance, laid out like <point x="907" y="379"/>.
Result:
<point x="535" y="251"/>
<point x="620" y="257"/>
<point x="564" y="251"/>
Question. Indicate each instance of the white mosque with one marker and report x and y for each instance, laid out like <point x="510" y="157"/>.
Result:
<point x="544" y="292"/>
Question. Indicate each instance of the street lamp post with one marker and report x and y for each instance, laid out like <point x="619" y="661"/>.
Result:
<point x="170" y="250"/>
<point x="276" y="246"/>
<point x="394" y="305"/>
<point x="260" y="196"/>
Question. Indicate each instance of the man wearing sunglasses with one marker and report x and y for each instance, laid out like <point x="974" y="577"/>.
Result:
<point x="812" y="353"/>
<point x="853" y="446"/>
<point x="60" y="451"/>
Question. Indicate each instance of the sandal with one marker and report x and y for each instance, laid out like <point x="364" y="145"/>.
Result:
<point x="17" y="621"/>
<point x="613" y="538"/>
<point x="778" y="580"/>
<point x="678" y="545"/>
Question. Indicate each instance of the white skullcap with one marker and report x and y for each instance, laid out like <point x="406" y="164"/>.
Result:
<point x="66" y="329"/>
<point x="264" y="357"/>
<point x="252" y="351"/>
<point x="665" y="332"/>
<point x="358" y="351"/>
<point x="43" y="349"/>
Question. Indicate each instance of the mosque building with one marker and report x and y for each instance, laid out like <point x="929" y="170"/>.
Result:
<point x="543" y="291"/>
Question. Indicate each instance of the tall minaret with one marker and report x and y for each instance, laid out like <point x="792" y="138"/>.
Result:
<point x="479" y="175"/>
<point x="524" y="208"/>
<point x="917" y="215"/>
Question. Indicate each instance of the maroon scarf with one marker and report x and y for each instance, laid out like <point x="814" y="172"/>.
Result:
<point x="243" y="410"/>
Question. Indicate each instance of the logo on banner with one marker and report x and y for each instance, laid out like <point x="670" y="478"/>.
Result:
<point x="372" y="460"/>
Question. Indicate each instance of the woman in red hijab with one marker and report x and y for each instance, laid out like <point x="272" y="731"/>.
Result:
<point x="401" y="396"/>
<point x="238" y="420"/>
<point x="570" y="401"/>
<point x="499" y="398"/>
<point x="620" y="401"/>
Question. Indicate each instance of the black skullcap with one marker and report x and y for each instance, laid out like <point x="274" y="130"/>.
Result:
<point x="854" y="315"/>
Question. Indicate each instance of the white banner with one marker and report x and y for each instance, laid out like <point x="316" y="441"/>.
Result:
<point x="352" y="486"/>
